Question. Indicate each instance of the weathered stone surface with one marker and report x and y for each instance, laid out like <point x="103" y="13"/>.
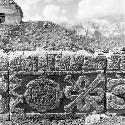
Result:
<point x="43" y="93"/>
<point x="37" y="85"/>
<point x="3" y="61"/>
<point x="23" y="62"/>
<point x="116" y="92"/>
<point x="116" y="62"/>
<point x="90" y="97"/>
<point x="116" y="83"/>
<point x="4" y="95"/>
<point x="62" y="84"/>
<point x="40" y="61"/>
<point x="56" y="84"/>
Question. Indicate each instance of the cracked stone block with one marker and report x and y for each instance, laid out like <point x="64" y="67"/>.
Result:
<point x="46" y="89"/>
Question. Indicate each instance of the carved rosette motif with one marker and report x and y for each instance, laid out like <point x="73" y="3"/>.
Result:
<point x="43" y="94"/>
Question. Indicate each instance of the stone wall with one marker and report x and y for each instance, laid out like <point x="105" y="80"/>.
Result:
<point x="60" y="84"/>
<point x="12" y="19"/>
<point x="7" y="8"/>
<point x="13" y="13"/>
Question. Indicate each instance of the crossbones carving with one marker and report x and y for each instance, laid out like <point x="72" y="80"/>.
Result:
<point x="83" y="93"/>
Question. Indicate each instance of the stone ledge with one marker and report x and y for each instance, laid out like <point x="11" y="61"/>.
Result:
<point x="98" y="119"/>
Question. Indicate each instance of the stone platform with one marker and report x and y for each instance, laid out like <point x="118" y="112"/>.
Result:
<point x="60" y="85"/>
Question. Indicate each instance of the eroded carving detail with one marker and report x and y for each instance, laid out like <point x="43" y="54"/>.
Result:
<point x="3" y="93"/>
<point x="43" y="94"/>
<point x="15" y="97"/>
<point x="24" y="64"/>
<point x="114" y="62"/>
<point x="29" y="64"/>
<point x="84" y="93"/>
<point x="122" y="64"/>
<point x="116" y="93"/>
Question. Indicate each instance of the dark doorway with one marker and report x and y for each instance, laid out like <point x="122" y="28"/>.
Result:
<point x="2" y="17"/>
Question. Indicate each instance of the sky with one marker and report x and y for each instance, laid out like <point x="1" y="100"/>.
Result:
<point x="71" y="11"/>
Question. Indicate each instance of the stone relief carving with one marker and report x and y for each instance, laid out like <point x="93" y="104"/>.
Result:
<point x="3" y="93"/>
<point x="43" y="94"/>
<point x="81" y="92"/>
<point x="84" y="93"/>
<point x="116" y="93"/>
<point x="122" y="64"/>
<point x="15" y="98"/>
<point x="114" y="62"/>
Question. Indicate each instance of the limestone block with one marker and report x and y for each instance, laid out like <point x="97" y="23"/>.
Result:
<point x="116" y="62"/>
<point x="49" y="61"/>
<point x="40" y="87"/>
<point x="4" y="89"/>
<point x="115" y="76"/>
<point x="115" y="92"/>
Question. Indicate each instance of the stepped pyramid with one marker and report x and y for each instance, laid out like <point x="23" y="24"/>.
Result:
<point x="10" y="12"/>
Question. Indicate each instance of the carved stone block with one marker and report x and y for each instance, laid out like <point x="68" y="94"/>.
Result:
<point x="56" y="95"/>
<point x="90" y="89"/>
<point x="116" y="62"/>
<point x="115" y="96"/>
<point x="23" y="62"/>
<point x="49" y="61"/>
<point x="57" y="85"/>
<point x="122" y="64"/>
<point x="4" y="94"/>
<point x="115" y="83"/>
<point x="3" y="61"/>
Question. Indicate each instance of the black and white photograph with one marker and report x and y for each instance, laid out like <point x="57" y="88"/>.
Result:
<point x="62" y="62"/>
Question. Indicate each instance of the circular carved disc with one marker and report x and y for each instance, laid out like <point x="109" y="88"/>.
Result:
<point x="42" y="94"/>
